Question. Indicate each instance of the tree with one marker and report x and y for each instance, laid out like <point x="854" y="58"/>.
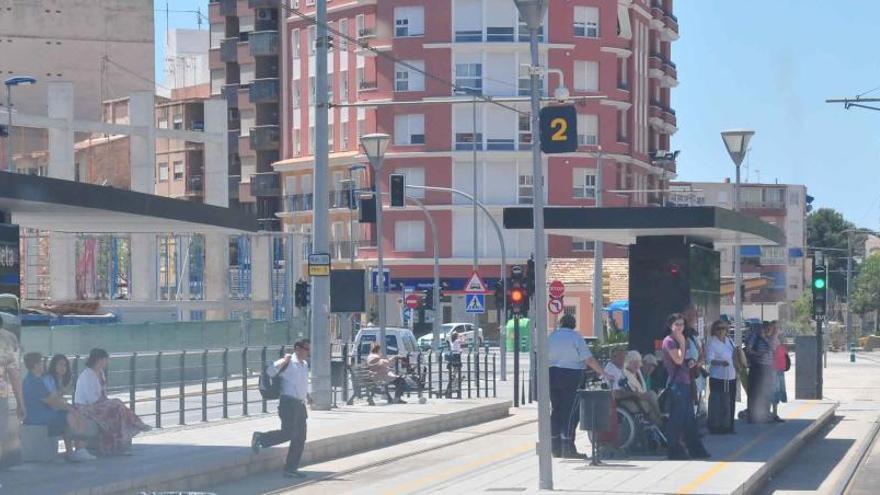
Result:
<point x="826" y="228"/>
<point x="802" y="314"/>
<point x="866" y="286"/>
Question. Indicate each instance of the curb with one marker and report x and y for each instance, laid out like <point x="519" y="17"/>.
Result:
<point x="316" y="451"/>
<point x="757" y="481"/>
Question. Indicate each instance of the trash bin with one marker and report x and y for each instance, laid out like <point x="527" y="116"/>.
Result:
<point x="595" y="409"/>
<point x="337" y="373"/>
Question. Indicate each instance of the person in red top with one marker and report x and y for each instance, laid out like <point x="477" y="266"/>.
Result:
<point x="681" y="428"/>
<point x="780" y="365"/>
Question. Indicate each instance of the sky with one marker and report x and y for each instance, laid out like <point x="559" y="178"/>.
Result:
<point x="181" y="15"/>
<point x="768" y="66"/>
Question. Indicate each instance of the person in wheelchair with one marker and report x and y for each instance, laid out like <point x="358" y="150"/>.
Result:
<point x="642" y="400"/>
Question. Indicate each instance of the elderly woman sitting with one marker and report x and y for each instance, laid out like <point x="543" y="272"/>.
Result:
<point x="640" y="395"/>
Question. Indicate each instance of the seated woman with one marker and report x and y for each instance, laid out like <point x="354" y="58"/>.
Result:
<point x="382" y="367"/>
<point x="642" y="398"/>
<point x="50" y="409"/>
<point x="116" y="423"/>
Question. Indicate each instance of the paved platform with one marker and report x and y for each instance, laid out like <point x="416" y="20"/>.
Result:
<point x="191" y="457"/>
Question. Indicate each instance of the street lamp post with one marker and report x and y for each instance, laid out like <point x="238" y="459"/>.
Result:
<point x="598" y="253"/>
<point x="737" y="143"/>
<point x="374" y="146"/>
<point x="12" y="81"/>
<point x="533" y="12"/>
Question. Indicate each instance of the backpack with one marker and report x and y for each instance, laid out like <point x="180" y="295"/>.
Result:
<point x="270" y="386"/>
<point x="787" y="362"/>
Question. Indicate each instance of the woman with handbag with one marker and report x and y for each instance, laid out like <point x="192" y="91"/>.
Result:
<point x="722" y="379"/>
<point x="781" y="364"/>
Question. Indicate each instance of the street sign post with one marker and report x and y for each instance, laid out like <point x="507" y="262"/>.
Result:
<point x="557" y="289"/>
<point x="319" y="265"/>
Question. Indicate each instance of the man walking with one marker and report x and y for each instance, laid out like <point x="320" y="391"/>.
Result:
<point x="569" y="357"/>
<point x="294" y="373"/>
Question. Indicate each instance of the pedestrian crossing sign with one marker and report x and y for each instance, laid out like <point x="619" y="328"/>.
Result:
<point x="475" y="303"/>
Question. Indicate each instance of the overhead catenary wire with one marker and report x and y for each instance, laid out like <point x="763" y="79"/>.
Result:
<point x="133" y="73"/>
<point x="455" y="87"/>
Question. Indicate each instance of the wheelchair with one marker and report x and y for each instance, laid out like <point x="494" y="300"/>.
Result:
<point x="636" y="434"/>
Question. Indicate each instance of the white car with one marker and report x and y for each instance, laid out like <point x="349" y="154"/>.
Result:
<point x="426" y="342"/>
<point x="398" y="341"/>
<point x="465" y="332"/>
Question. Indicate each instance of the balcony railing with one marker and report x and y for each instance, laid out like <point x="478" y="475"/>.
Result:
<point x="266" y="184"/>
<point x="298" y="202"/>
<point x="264" y="90"/>
<point x="265" y="137"/>
<point x="366" y="33"/>
<point x="264" y="43"/>
<point x="234" y="181"/>
<point x="367" y="85"/>
<point x="262" y="4"/>
<point x="340" y="198"/>
<point x="194" y="185"/>
<point x="229" y="50"/>
<point x="468" y="36"/>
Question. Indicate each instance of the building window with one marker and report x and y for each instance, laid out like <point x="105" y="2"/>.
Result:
<point x="360" y="24"/>
<point x="163" y="121"/>
<point x="313" y="39"/>
<point x="584" y="182"/>
<point x="312" y="140"/>
<point x="178" y="170"/>
<point x="409" y="129"/>
<point x="178" y="121"/>
<point x="468" y="20"/>
<point x="343" y="40"/>
<point x="343" y="135"/>
<point x="586" y="22"/>
<point x="409" y="21"/>
<point x="343" y="86"/>
<point x="622" y="127"/>
<point x="311" y="90"/>
<point x="409" y="236"/>
<point x="409" y="77"/>
<point x="413" y="176"/>
<point x="623" y="73"/>
<point x="586" y="75"/>
<point x="581" y="245"/>
<point x="525" y="132"/>
<point x="588" y="129"/>
<point x="469" y="76"/>
<point x="163" y="172"/>
<point x="295" y="42"/>
<point x="297" y="93"/>
<point x="525" y="191"/>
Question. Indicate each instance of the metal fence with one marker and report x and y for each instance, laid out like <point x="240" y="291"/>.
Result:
<point x="169" y="388"/>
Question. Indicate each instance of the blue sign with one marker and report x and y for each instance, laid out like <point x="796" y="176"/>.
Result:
<point x="475" y="303"/>
<point x="374" y="280"/>
<point x="407" y="315"/>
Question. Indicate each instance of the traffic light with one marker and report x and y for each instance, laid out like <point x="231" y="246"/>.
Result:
<point x="397" y="188"/>
<point x="499" y="295"/>
<point x="517" y="301"/>
<point x="367" y="209"/>
<point x="530" y="276"/>
<point x="302" y="294"/>
<point x="820" y="291"/>
<point x="428" y="298"/>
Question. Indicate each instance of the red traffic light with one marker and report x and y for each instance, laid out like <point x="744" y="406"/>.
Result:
<point x="517" y="296"/>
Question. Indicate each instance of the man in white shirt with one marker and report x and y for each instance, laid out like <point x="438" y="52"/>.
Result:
<point x="294" y="372"/>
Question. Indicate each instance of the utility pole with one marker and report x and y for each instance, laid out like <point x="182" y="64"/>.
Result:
<point x="598" y="255"/>
<point x="320" y="317"/>
<point x="533" y="11"/>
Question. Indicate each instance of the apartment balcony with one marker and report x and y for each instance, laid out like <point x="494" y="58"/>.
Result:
<point x="366" y="33"/>
<point x="229" y="50"/>
<point x="266" y="90"/>
<point x="655" y="61"/>
<point x="368" y="85"/>
<point x="265" y="137"/>
<point x="669" y="70"/>
<point x="263" y="4"/>
<point x="266" y="184"/>
<point x="655" y="110"/>
<point x="195" y="185"/>
<point x="298" y="202"/>
<point x="264" y="43"/>
<point x="228" y="7"/>
<point x="233" y="140"/>
<point x="340" y="198"/>
<point x="230" y="94"/>
<point x="234" y="181"/>
<point x="671" y="22"/>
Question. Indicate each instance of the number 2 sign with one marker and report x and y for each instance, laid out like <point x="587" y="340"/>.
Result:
<point x="559" y="129"/>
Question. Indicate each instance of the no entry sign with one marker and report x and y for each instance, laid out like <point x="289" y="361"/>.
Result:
<point x="412" y="301"/>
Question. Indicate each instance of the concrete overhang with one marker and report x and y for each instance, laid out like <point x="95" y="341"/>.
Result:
<point x="624" y="225"/>
<point x="64" y="206"/>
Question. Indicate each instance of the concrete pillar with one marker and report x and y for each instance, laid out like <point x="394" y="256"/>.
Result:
<point x="61" y="156"/>
<point x="62" y="266"/>
<point x="217" y="273"/>
<point x="142" y="149"/>
<point x="144" y="268"/>
<point x="261" y="263"/>
<point x="217" y="154"/>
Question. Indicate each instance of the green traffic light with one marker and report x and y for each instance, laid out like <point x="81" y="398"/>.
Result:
<point x="819" y="283"/>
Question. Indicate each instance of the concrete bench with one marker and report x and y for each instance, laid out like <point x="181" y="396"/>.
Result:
<point x="37" y="445"/>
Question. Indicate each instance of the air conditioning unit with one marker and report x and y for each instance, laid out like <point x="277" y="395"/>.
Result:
<point x="264" y="15"/>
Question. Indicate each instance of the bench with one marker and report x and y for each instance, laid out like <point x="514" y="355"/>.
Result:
<point x="37" y="445"/>
<point x="365" y="384"/>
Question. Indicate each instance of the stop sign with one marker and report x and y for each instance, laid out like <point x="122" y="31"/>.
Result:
<point x="412" y="301"/>
<point x="557" y="289"/>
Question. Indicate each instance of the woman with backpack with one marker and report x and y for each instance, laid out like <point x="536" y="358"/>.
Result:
<point x="722" y="379"/>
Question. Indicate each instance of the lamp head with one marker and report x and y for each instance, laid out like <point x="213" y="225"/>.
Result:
<point x="19" y="80"/>
<point x="374" y="146"/>
<point x="737" y="143"/>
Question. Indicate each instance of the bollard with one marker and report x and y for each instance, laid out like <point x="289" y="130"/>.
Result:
<point x="477" y="369"/>
<point x="430" y="380"/>
<point x="159" y="390"/>
<point x="440" y="374"/>
<point x="262" y="368"/>
<point x="225" y="382"/>
<point x="132" y="380"/>
<point x="468" y="377"/>
<point x="205" y="386"/>
<point x="182" y="392"/>
<point x="494" y="385"/>
<point x="345" y="373"/>
<point x="244" y="382"/>
<point x="486" y="374"/>
<point x="522" y="381"/>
